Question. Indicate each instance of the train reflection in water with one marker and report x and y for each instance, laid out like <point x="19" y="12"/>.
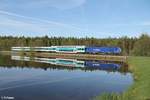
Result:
<point x="73" y="63"/>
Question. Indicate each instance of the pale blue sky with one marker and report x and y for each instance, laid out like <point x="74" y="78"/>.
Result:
<point x="77" y="18"/>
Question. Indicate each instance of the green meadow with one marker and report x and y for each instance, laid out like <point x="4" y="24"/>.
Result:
<point x="140" y="90"/>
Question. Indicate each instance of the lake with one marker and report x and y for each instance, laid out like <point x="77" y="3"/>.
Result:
<point x="34" y="78"/>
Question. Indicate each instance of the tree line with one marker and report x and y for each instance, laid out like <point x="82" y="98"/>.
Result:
<point x="129" y="45"/>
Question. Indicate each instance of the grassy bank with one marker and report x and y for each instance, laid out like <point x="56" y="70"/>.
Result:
<point x="140" y="90"/>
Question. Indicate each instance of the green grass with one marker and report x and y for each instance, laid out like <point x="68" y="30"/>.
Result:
<point x="140" y="90"/>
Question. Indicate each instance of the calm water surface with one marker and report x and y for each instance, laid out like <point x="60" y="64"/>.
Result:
<point x="60" y="79"/>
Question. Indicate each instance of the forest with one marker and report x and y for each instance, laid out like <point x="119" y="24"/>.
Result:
<point x="130" y="45"/>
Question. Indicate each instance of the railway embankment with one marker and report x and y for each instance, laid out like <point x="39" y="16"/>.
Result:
<point x="81" y="56"/>
<point x="70" y="56"/>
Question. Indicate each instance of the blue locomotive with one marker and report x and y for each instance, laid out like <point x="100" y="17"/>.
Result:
<point x="72" y="49"/>
<point x="104" y="50"/>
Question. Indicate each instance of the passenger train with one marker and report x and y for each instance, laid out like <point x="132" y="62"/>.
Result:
<point x="71" y="49"/>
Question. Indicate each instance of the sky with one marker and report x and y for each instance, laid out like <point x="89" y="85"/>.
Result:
<point x="75" y="18"/>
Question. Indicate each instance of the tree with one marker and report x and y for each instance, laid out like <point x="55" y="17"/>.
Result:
<point x="142" y="46"/>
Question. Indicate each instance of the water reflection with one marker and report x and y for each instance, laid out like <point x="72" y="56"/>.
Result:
<point x="74" y="63"/>
<point x="61" y="79"/>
